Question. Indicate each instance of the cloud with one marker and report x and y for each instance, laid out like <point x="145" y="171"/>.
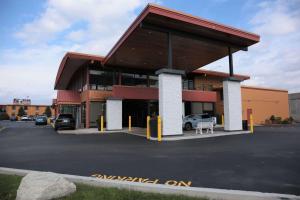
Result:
<point x="275" y="61"/>
<point x="89" y="26"/>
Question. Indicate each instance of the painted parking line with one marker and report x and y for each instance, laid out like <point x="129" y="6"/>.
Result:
<point x="143" y="180"/>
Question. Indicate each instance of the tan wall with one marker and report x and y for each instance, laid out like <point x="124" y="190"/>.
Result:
<point x="31" y="110"/>
<point x="95" y="95"/>
<point x="264" y="103"/>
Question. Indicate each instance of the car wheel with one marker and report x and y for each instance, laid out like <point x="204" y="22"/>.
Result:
<point x="55" y="128"/>
<point x="188" y="126"/>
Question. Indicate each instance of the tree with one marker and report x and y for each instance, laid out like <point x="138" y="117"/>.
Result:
<point x="4" y="116"/>
<point x="48" y="111"/>
<point x="21" y="112"/>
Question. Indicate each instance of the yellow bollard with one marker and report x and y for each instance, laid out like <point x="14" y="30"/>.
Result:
<point x="129" y="123"/>
<point x="251" y="124"/>
<point x="158" y="129"/>
<point x="222" y="120"/>
<point x="148" y="128"/>
<point x="102" y="123"/>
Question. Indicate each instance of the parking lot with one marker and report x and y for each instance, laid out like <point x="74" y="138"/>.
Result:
<point x="267" y="161"/>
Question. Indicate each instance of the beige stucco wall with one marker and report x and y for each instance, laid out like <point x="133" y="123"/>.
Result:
<point x="264" y="103"/>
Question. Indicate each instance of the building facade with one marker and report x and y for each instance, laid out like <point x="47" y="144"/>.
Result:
<point x="30" y="110"/>
<point x="294" y="105"/>
<point x="152" y="70"/>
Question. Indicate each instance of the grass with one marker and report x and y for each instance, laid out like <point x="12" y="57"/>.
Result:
<point x="8" y="186"/>
<point x="10" y="183"/>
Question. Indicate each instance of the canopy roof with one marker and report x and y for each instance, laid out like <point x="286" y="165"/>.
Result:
<point x="195" y="42"/>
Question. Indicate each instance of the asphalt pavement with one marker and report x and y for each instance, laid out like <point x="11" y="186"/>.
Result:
<point x="267" y="161"/>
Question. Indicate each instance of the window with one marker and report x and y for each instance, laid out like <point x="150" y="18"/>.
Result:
<point x="135" y="79"/>
<point x="37" y="108"/>
<point x="188" y="84"/>
<point x="153" y="81"/>
<point x="14" y="107"/>
<point x="25" y="107"/>
<point x="101" y="80"/>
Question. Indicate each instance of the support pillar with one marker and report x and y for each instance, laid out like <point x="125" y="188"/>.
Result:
<point x="232" y="104"/>
<point x="114" y="114"/>
<point x="170" y="100"/>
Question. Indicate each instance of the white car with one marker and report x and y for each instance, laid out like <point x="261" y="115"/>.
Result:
<point x="25" y="118"/>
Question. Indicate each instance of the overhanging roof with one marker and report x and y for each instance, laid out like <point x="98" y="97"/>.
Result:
<point x="70" y="63"/>
<point x="196" y="42"/>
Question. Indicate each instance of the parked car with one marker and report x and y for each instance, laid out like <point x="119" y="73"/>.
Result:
<point x="13" y="118"/>
<point x="41" y="120"/>
<point x="64" y="121"/>
<point x="190" y="122"/>
<point x="25" y="118"/>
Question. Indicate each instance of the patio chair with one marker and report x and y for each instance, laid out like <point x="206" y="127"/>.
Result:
<point x="209" y="126"/>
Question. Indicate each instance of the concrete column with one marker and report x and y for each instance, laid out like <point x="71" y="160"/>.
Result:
<point x="170" y="101"/>
<point x="232" y="105"/>
<point x="183" y="109"/>
<point x="113" y="114"/>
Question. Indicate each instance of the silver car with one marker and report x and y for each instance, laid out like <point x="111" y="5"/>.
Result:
<point x="190" y="122"/>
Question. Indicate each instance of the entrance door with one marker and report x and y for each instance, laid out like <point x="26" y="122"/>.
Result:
<point x="138" y="110"/>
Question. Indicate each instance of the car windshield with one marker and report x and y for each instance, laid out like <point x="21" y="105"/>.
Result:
<point x="65" y="116"/>
<point x="41" y="117"/>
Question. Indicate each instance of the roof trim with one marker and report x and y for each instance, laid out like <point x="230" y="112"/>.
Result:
<point x="74" y="55"/>
<point x="220" y="74"/>
<point x="173" y="14"/>
<point x="263" y="88"/>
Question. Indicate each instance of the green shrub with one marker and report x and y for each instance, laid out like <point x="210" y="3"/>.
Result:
<point x="4" y="116"/>
<point x="285" y="121"/>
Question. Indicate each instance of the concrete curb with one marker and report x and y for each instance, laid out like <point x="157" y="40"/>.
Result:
<point x="165" y="189"/>
<point x="199" y="136"/>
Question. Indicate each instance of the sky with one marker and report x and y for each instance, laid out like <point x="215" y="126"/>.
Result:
<point x="35" y="35"/>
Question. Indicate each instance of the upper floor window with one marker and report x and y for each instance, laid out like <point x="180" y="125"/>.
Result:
<point x="188" y="84"/>
<point x="101" y="80"/>
<point x="14" y="107"/>
<point x="37" y="107"/>
<point x="25" y="107"/>
<point x="134" y="79"/>
<point x="153" y="81"/>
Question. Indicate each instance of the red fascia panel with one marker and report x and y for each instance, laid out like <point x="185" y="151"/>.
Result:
<point x="131" y="92"/>
<point x="199" y="96"/>
<point x="68" y="96"/>
<point x="180" y="16"/>
<point x="141" y="93"/>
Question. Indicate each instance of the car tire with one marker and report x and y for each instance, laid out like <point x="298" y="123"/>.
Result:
<point x="188" y="126"/>
<point x="55" y="128"/>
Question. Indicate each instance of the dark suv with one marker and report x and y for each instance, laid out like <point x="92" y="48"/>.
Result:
<point x="64" y="121"/>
